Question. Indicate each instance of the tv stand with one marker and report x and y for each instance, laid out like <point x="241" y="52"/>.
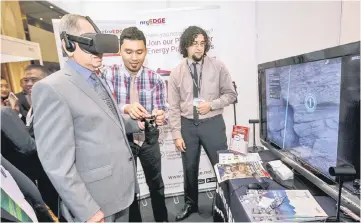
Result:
<point x="347" y="196"/>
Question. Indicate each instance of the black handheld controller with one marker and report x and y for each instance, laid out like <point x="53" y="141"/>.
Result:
<point x="151" y="130"/>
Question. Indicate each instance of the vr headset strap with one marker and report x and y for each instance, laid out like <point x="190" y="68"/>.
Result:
<point x="80" y="39"/>
<point x="93" y="24"/>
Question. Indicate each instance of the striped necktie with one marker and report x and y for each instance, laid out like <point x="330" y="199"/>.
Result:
<point x="101" y="91"/>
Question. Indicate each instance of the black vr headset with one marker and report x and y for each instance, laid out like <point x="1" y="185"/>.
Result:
<point x="94" y="43"/>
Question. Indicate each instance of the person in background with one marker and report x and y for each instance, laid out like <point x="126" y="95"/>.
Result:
<point x="199" y="88"/>
<point x="140" y="91"/>
<point x="81" y="136"/>
<point x="18" y="146"/>
<point x="32" y="74"/>
<point x="5" y="90"/>
<point x="6" y="102"/>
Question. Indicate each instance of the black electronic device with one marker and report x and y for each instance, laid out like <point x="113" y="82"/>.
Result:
<point x="251" y="121"/>
<point x="254" y="186"/>
<point x="94" y="43"/>
<point x="340" y="172"/>
<point x="150" y="120"/>
<point x="261" y="185"/>
<point x="254" y="148"/>
<point x="151" y="130"/>
<point x="310" y="108"/>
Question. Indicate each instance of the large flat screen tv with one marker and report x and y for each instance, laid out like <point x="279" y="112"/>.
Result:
<point x="310" y="107"/>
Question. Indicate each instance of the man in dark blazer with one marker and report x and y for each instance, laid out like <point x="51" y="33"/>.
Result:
<point x="19" y="148"/>
<point x="33" y="73"/>
<point x="16" y="143"/>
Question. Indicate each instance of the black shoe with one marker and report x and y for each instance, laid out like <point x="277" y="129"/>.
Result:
<point x="186" y="211"/>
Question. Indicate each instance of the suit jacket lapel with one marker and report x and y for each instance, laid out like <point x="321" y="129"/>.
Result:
<point x="25" y="101"/>
<point x="83" y="85"/>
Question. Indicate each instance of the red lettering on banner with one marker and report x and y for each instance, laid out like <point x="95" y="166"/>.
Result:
<point x="153" y="21"/>
<point x="157" y="21"/>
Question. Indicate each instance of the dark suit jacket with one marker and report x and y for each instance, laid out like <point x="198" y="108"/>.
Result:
<point x="24" y="106"/>
<point x="17" y="146"/>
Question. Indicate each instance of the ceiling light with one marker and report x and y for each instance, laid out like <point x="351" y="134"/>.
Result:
<point x="41" y="18"/>
<point x="51" y="6"/>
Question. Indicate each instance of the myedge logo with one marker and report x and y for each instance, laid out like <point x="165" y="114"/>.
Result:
<point x="158" y="21"/>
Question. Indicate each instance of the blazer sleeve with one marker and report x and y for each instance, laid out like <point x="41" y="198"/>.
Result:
<point x="23" y="104"/>
<point x="54" y="133"/>
<point x="15" y="130"/>
<point x="131" y="126"/>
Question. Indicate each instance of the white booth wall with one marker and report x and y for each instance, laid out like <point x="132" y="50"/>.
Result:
<point x="70" y="6"/>
<point x="253" y="32"/>
<point x="289" y="28"/>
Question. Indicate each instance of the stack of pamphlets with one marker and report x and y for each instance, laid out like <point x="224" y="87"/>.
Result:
<point x="245" y="169"/>
<point x="281" y="206"/>
<point x="229" y="158"/>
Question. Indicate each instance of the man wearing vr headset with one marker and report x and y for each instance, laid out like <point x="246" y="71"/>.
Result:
<point x="80" y="134"/>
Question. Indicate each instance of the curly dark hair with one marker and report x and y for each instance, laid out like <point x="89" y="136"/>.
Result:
<point x="188" y="37"/>
<point x="132" y="33"/>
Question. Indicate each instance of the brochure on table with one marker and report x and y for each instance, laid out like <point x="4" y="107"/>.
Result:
<point x="281" y="206"/>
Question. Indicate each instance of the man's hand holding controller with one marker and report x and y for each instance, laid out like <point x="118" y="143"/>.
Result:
<point x="137" y="111"/>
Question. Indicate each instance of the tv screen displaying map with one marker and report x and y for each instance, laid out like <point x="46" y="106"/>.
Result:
<point x="303" y="104"/>
<point x="310" y="108"/>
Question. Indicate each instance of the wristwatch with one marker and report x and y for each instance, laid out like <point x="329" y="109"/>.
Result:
<point x="212" y="107"/>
